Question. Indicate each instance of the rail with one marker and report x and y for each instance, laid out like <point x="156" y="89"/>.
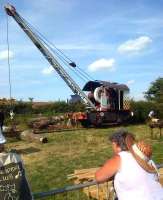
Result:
<point x="110" y="195"/>
<point x="64" y="193"/>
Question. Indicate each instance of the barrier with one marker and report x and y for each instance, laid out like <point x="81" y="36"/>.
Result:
<point x="110" y="195"/>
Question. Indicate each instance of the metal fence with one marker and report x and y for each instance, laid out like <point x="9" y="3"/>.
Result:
<point x="74" y="192"/>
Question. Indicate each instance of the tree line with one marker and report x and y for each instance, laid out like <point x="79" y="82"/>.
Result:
<point x="153" y="101"/>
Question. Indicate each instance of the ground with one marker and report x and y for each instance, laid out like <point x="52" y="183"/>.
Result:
<point x="47" y="165"/>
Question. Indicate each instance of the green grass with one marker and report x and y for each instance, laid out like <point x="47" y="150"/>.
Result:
<point x="47" y="165"/>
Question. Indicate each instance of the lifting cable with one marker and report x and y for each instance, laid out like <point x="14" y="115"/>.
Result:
<point x="62" y="59"/>
<point x="9" y="72"/>
<point x="62" y="56"/>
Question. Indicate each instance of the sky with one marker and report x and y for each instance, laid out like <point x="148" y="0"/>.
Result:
<point x="111" y="40"/>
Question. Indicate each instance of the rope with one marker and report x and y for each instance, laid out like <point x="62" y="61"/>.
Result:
<point x="9" y="72"/>
<point x="62" y="56"/>
<point x="8" y="62"/>
<point x="78" y="71"/>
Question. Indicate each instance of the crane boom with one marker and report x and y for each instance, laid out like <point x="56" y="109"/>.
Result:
<point x="10" y="10"/>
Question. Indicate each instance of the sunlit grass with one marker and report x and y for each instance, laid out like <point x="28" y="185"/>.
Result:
<point x="47" y="165"/>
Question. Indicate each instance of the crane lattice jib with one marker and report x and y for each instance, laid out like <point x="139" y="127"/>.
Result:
<point x="10" y="10"/>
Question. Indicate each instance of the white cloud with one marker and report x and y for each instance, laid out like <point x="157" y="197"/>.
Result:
<point x="130" y="82"/>
<point x="4" y="54"/>
<point x="47" y="70"/>
<point x="138" y="96"/>
<point x="136" y="45"/>
<point x="102" y="64"/>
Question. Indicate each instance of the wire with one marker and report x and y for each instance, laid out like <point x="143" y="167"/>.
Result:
<point x="8" y="62"/>
<point x="9" y="72"/>
<point x="85" y="74"/>
<point x="62" y="56"/>
<point x="47" y="42"/>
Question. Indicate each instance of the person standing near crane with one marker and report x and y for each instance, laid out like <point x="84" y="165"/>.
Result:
<point x="2" y="118"/>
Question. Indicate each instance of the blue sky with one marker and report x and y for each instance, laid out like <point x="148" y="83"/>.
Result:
<point x="112" y="40"/>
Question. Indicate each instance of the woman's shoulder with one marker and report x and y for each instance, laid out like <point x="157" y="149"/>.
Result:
<point x="124" y="153"/>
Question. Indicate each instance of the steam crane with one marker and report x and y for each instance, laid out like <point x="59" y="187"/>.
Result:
<point x="107" y="102"/>
<point x="48" y="55"/>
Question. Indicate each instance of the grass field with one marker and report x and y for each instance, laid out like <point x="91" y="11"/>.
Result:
<point x="47" y="165"/>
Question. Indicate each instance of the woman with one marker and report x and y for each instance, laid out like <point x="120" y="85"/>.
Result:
<point x="135" y="175"/>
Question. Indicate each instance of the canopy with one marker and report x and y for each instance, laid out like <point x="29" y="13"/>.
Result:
<point x="92" y="85"/>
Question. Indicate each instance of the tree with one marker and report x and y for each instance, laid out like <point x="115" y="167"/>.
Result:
<point x="31" y="99"/>
<point x="155" y="91"/>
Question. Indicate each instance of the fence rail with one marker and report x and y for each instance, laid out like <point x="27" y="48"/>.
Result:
<point x="67" y="189"/>
<point x="64" y="189"/>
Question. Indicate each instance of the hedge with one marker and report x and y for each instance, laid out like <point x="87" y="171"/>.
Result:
<point x="141" y="109"/>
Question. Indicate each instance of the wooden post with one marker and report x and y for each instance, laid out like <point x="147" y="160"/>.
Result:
<point x="160" y="127"/>
<point x="151" y="132"/>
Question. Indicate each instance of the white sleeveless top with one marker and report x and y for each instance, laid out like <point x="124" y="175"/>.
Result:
<point x="132" y="182"/>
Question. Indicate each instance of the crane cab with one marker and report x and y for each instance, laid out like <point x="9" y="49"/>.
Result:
<point x="111" y="101"/>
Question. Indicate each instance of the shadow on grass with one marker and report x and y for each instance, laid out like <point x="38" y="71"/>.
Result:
<point x="28" y="150"/>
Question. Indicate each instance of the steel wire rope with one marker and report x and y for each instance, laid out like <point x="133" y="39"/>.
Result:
<point x="79" y="72"/>
<point x="8" y="61"/>
<point x="39" y="35"/>
<point x="49" y="42"/>
<point x="88" y="77"/>
<point x="9" y="69"/>
<point x="77" y="68"/>
<point x="63" y="56"/>
<point x="43" y="39"/>
<point x="60" y="57"/>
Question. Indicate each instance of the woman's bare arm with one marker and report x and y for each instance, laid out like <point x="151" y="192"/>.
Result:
<point x="109" y="169"/>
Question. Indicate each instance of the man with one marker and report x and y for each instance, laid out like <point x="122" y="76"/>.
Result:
<point x="13" y="182"/>
<point x="2" y="117"/>
<point x="152" y="116"/>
